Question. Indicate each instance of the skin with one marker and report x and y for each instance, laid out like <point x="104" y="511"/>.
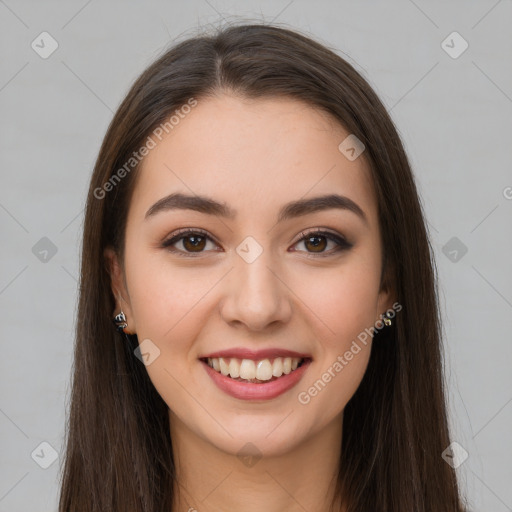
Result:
<point x="254" y="156"/>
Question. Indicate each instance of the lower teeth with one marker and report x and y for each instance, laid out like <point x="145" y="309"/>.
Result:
<point x="254" y="381"/>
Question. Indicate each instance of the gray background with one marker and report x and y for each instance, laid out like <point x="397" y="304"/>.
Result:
<point x="453" y="114"/>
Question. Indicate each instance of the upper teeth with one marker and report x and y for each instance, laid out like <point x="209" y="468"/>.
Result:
<point x="248" y="369"/>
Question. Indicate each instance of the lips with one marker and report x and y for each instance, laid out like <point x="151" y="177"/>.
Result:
<point x="255" y="375"/>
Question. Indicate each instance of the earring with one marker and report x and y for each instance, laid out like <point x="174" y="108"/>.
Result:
<point x="120" y="321"/>
<point x="386" y="319"/>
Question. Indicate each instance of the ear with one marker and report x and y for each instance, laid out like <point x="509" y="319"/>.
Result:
<point x="119" y="289"/>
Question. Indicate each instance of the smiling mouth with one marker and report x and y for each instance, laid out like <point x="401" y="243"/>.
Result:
<point x="256" y="372"/>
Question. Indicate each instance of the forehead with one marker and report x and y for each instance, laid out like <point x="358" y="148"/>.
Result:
<point x="253" y="153"/>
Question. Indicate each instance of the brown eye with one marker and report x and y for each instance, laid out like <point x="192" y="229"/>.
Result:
<point x="188" y="242"/>
<point x="194" y="243"/>
<point x="317" y="241"/>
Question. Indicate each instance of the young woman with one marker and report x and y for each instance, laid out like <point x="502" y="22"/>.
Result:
<point x="254" y="230"/>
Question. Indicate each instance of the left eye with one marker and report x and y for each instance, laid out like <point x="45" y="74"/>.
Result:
<point x="318" y="241"/>
<point x="194" y="242"/>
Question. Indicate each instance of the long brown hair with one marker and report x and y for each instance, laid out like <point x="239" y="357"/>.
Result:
<point x="118" y="455"/>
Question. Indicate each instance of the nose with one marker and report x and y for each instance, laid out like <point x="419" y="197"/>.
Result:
<point x="256" y="295"/>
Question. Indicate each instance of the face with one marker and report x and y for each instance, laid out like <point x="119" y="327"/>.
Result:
<point x="275" y="296"/>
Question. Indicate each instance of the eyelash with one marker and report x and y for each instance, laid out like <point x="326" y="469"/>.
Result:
<point x="342" y="244"/>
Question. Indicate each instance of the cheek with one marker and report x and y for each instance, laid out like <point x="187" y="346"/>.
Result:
<point x="327" y="393"/>
<point x="343" y="299"/>
<point x="165" y="299"/>
<point x="170" y="310"/>
<point x="345" y="302"/>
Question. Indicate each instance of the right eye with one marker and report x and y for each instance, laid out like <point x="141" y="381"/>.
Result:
<point x="193" y="241"/>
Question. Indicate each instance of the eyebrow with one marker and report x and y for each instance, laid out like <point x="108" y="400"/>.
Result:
<point x="202" y="204"/>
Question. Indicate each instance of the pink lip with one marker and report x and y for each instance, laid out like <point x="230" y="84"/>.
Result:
<point x="255" y="355"/>
<point x="252" y="391"/>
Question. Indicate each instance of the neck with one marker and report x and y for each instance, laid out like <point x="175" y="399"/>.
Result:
<point x="211" y="480"/>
